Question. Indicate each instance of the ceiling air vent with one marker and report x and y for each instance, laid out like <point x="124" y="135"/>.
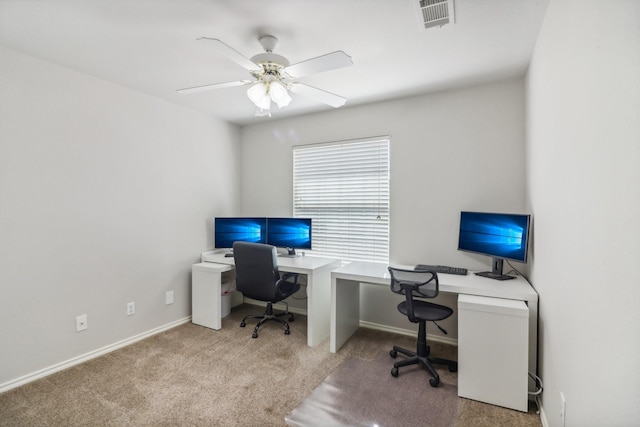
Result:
<point x="436" y="13"/>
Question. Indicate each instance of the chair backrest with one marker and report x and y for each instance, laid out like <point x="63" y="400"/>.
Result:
<point x="412" y="284"/>
<point x="256" y="270"/>
<point x="421" y="283"/>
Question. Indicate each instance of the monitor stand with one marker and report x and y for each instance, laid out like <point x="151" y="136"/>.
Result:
<point x="496" y="271"/>
<point x="291" y="253"/>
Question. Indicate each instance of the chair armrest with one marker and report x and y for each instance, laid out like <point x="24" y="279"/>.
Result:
<point x="287" y="284"/>
<point x="287" y="276"/>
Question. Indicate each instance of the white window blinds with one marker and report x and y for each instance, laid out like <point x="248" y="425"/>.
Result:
<point x="344" y="188"/>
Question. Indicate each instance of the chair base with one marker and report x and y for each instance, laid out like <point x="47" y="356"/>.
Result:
<point x="266" y="317"/>
<point x="421" y="357"/>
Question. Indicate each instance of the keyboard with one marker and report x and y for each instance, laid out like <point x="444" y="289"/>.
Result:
<point x="442" y="269"/>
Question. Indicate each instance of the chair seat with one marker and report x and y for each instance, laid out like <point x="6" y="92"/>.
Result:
<point x="426" y="311"/>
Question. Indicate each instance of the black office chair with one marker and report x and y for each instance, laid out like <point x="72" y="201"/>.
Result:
<point x="257" y="277"/>
<point x="420" y="284"/>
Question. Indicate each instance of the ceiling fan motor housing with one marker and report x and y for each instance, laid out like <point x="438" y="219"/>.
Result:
<point x="272" y="64"/>
<point x="268" y="42"/>
<point x="270" y="58"/>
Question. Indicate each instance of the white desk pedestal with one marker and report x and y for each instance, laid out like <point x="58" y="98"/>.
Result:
<point x="206" y="294"/>
<point x="493" y="337"/>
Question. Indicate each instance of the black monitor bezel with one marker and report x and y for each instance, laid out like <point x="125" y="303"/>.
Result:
<point x="495" y="255"/>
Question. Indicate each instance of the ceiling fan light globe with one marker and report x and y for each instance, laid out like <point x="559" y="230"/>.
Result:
<point x="284" y="102"/>
<point x="279" y="94"/>
<point x="264" y="103"/>
<point x="259" y="96"/>
<point x="256" y="92"/>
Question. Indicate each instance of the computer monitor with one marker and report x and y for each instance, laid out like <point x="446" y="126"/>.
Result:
<point x="228" y="230"/>
<point x="498" y="235"/>
<point x="290" y="233"/>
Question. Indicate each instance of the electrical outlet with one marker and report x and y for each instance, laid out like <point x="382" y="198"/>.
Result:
<point x="81" y="322"/>
<point x="131" y="308"/>
<point x="168" y="298"/>
<point x="563" y="407"/>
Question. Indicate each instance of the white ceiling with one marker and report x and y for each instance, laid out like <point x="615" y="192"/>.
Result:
<point x="150" y="45"/>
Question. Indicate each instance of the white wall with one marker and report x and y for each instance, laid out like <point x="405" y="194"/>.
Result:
<point x="450" y="151"/>
<point x="583" y="155"/>
<point x="106" y="197"/>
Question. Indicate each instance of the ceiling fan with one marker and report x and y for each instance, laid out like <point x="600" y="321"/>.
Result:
<point x="273" y="76"/>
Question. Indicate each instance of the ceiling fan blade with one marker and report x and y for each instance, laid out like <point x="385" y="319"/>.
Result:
<point x="319" y="94"/>
<point x="327" y="62"/>
<point x="226" y="50"/>
<point x="213" y="86"/>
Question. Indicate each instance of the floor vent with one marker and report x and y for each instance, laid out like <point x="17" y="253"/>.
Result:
<point x="436" y="13"/>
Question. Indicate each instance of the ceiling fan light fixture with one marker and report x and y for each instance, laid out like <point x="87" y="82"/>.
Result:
<point x="262" y="93"/>
<point x="258" y="94"/>
<point x="279" y="94"/>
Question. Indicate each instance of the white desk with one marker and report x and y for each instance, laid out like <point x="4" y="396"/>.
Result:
<point x="206" y="294"/>
<point x="318" y="272"/>
<point x="345" y="298"/>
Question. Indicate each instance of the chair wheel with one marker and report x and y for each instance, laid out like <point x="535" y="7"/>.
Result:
<point x="254" y="335"/>
<point x="434" y="382"/>
<point x="291" y="318"/>
<point x="394" y="372"/>
<point x="287" y="332"/>
<point x="242" y="324"/>
<point x="453" y="367"/>
<point x="393" y="354"/>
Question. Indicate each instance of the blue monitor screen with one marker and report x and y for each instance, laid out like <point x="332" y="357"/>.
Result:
<point x="289" y="232"/>
<point x="494" y="234"/>
<point x="229" y="230"/>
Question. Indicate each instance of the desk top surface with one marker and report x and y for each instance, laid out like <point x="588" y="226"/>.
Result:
<point x="293" y="264"/>
<point x="471" y="284"/>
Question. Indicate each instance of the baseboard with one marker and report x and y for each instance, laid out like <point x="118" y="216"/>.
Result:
<point x="408" y="332"/>
<point x="88" y="356"/>
<point x="543" y="416"/>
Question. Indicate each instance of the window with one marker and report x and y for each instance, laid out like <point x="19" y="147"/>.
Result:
<point x="344" y="188"/>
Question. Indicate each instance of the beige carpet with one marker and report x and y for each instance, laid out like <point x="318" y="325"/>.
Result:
<point x="194" y="376"/>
